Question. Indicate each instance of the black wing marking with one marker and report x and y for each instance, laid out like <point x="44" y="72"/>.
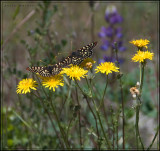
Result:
<point x="75" y="58"/>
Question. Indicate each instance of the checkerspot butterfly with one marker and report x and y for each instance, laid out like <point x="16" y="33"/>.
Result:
<point x="75" y="58"/>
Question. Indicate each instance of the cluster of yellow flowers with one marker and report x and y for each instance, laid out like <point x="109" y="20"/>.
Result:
<point x="75" y="72"/>
<point x="141" y="56"/>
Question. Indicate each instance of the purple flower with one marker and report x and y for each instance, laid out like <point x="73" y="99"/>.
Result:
<point x="105" y="45"/>
<point x="102" y="34"/>
<point x="112" y="16"/>
<point x="119" y="35"/>
<point x="100" y="61"/>
<point x="119" y="46"/>
<point x="109" y="31"/>
<point x="109" y="12"/>
<point x="122" y="48"/>
<point x="115" y="19"/>
<point x="118" y="32"/>
<point x="111" y="34"/>
<point x="109" y="59"/>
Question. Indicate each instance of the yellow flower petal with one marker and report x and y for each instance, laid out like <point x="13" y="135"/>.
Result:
<point x="142" y="55"/>
<point x="140" y="43"/>
<point x="107" y="67"/>
<point x="52" y="82"/>
<point x="25" y="85"/>
<point x="74" y="72"/>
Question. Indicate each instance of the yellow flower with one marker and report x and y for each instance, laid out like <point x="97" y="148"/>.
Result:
<point x="142" y="55"/>
<point x="140" y="43"/>
<point x="74" y="72"/>
<point x="107" y="67"/>
<point x="25" y="85"/>
<point x="52" y="82"/>
<point x="87" y="63"/>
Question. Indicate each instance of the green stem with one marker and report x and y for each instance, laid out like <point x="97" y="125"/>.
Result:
<point x="107" y="141"/>
<point x="90" y="108"/>
<point x="79" y="119"/>
<point x="142" y="77"/>
<point x="59" y="125"/>
<point x="102" y="101"/>
<point x="117" y="129"/>
<point x="69" y="127"/>
<point x="61" y="130"/>
<point x="122" y="99"/>
<point x="49" y="117"/>
<point x="137" y="126"/>
<point x="138" y="137"/>
<point x="94" y="118"/>
<point x="153" y="139"/>
<point x="113" y="127"/>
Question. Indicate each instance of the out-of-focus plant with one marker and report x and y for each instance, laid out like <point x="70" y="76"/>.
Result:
<point x="111" y="33"/>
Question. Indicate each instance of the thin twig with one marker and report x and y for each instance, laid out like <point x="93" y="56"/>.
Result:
<point x="17" y="27"/>
<point x="153" y="139"/>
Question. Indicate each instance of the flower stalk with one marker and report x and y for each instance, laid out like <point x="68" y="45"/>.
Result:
<point x="102" y="101"/>
<point x="48" y="116"/>
<point x="122" y="98"/>
<point x="98" y="115"/>
<point x="138" y="137"/>
<point x="79" y="120"/>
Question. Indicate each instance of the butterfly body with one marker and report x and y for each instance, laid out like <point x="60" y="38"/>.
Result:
<point x="75" y="58"/>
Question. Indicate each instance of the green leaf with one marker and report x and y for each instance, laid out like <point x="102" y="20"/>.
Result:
<point x="23" y="121"/>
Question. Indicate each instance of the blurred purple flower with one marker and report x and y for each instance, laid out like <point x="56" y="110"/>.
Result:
<point x="122" y="48"/>
<point x="110" y="11"/>
<point x="112" y="34"/>
<point x="116" y="19"/>
<point x="100" y="61"/>
<point x="109" y="31"/>
<point x="119" y="35"/>
<point x="102" y="34"/>
<point x="119" y="46"/>
<point x="112" y="16"/>
<point x="109" y="59"/>
<point x="105" y="45"/>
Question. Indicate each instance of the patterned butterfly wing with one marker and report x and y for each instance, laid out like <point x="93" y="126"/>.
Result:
<point x="78" y="56"/>
<point x="82" y="53"/>
<point x="75" y="58"/>
<point x="46" y="71"/>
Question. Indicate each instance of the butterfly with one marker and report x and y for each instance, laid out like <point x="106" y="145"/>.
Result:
<point x="75" y="58"/>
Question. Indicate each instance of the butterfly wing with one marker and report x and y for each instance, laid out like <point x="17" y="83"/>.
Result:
<point x="45" y="71"/>
<point x="78" y="56"/>
<point x="75" y="58"/>
<point x="86" y="51"/>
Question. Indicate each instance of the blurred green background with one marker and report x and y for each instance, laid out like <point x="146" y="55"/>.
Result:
<point x="24" y="43"/>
